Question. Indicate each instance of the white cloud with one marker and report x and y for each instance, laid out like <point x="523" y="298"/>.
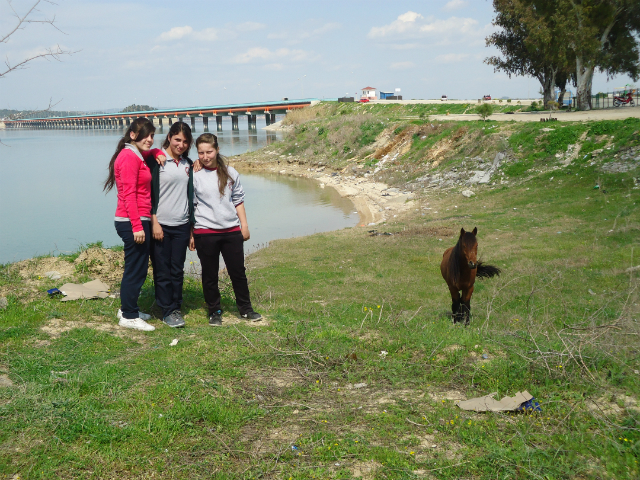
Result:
<point x="210" y="34"/>
<point x="274" y="66"/>
<point x="405" y="23"/>
<point x="454" y="5"/>
<point x="450" y="25"/>
<point x="264" y="54"/>
<point x="404" y="46"/>
<point x="402" y="65"/>
<point x="327" y="27"/>
<point x="451" y="58"/>
<point x="250" y="26"/>
<point x="412" y="25"/>
<point x="176" y="33"/>
<point x="297" y="37"/>
<point x="207" y="35"/>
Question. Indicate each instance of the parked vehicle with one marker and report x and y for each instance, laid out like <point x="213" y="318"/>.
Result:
<point x="443" y="98"/>
<point x="567" y="100"/>
<point x="627" y="99"/>
<point x="486" y="97"/>
<point x="364" y="100"/>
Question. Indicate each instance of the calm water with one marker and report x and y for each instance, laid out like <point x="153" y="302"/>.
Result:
<point x="52" y="200"/>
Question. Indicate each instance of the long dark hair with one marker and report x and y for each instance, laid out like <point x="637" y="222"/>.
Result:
<point x="142" y="127"/>
<point x="223" y="173"/>
<point x="176" y="128"/>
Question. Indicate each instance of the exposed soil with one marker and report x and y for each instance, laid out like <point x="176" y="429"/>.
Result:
<point x="106" y="264"/>
<point x="56" y="327"/>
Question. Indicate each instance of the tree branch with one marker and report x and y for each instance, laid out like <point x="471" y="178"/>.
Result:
<point x="25" y="19"/>
<point x="53" y="52"/>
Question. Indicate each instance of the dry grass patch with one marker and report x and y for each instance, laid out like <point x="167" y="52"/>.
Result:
<point x="56" y="327"/>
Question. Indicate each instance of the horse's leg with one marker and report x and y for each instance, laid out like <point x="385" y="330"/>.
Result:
<point x="455" y="304"/>
<point x="466" y="304"/>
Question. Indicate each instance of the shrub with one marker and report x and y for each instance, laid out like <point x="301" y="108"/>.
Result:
<point x="485" y="110"/>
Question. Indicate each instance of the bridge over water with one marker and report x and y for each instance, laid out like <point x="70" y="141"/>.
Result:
<point x="169" y="116"/>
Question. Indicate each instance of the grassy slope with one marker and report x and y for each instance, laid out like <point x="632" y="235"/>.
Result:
<point x="561" y="323"/>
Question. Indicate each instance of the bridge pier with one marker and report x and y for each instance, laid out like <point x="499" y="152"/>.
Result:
<point x="193" y="123"/>
<point x="267" y="118"/>
<point x="234" y="124"/>
<point x="219" y="123"/>
<point x="251" y="122"/>
<point x="205" y="124"/>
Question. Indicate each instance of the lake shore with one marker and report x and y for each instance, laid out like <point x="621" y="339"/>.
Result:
<point x="375" y="201"/>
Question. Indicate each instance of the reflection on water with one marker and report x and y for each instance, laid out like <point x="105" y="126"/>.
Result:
<point x="52" y="199"/>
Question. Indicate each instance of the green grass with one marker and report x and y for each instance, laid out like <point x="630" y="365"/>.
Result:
<point x="561" y="322"/>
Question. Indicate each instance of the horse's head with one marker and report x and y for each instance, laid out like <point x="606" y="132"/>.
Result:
<point x="469" y="247"/>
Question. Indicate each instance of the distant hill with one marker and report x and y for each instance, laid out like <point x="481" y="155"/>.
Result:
<point x="5" y="113"/>
<point x="138" y="108"/>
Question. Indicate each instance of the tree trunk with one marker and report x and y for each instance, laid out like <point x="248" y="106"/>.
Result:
<point x="561" y="97"/>
<point x="584" y="74"/>
<point x="548" y="82"/>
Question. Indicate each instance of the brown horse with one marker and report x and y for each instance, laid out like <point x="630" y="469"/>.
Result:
<point x="459" y="268"/>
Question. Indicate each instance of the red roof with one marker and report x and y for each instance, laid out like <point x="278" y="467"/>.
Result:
<point x="368" y="88"/>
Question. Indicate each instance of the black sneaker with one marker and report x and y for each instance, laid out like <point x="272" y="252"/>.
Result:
<point x="215" y="319"/>
<point x="174" y="319"/>
<point x="251" y="315"/>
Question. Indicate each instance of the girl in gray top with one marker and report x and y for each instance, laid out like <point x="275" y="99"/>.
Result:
<point x="171" y="218"/>
<point x="220" y="227"/>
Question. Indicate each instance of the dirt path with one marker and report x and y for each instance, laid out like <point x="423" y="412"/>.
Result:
<point x="608" y="114"/>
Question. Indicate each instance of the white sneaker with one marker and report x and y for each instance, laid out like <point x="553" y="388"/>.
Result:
<point x="143" y="316"/>
<point x="137" y="324"/>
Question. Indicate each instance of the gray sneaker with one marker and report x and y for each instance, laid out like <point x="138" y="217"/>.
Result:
<point x="174" y="319"/>
<point x="252" y="316"/>
<point x="215" y="319"/>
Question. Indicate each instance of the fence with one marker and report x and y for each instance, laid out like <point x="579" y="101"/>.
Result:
<point x="609" y="100"/>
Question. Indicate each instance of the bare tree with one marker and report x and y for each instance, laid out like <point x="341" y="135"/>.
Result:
<point x="22" y="20"/>
<point x="31" y="16"/>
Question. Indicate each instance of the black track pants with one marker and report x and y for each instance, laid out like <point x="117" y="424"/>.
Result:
<point x="136" y="265"/>
<point x="231" y="246"/>
<point x="167" y="258"/>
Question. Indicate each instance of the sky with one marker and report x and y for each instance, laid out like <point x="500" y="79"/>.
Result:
<point x="199" y="53"/>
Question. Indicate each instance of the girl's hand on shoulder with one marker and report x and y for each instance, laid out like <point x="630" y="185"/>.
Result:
<point x="197" y="166"/>
<point x="138" y="237"/>
<point x="158" y="233"/>
<point x="161" y="159"/>
<point x="245" y="232"/>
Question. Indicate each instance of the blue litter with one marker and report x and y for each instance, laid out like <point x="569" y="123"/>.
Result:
<point x="529" y="406"/>
<point x="54" y="291"/>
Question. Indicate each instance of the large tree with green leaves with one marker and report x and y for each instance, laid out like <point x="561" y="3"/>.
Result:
<point x="603" y="35"/>
<point x="531" y="43"/>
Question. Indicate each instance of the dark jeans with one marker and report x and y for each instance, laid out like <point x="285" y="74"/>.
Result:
<point x="167" y="258"/>
<point x="136" y="264"/>
<point x="231" y="246"/>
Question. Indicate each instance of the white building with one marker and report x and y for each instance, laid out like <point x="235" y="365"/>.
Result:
<point x="369" y="93"/>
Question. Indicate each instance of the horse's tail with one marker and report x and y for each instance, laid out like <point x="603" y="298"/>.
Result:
<point x="486" y="271"/>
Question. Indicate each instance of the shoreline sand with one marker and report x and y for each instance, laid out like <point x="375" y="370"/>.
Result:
<point x="374" y="201"/>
